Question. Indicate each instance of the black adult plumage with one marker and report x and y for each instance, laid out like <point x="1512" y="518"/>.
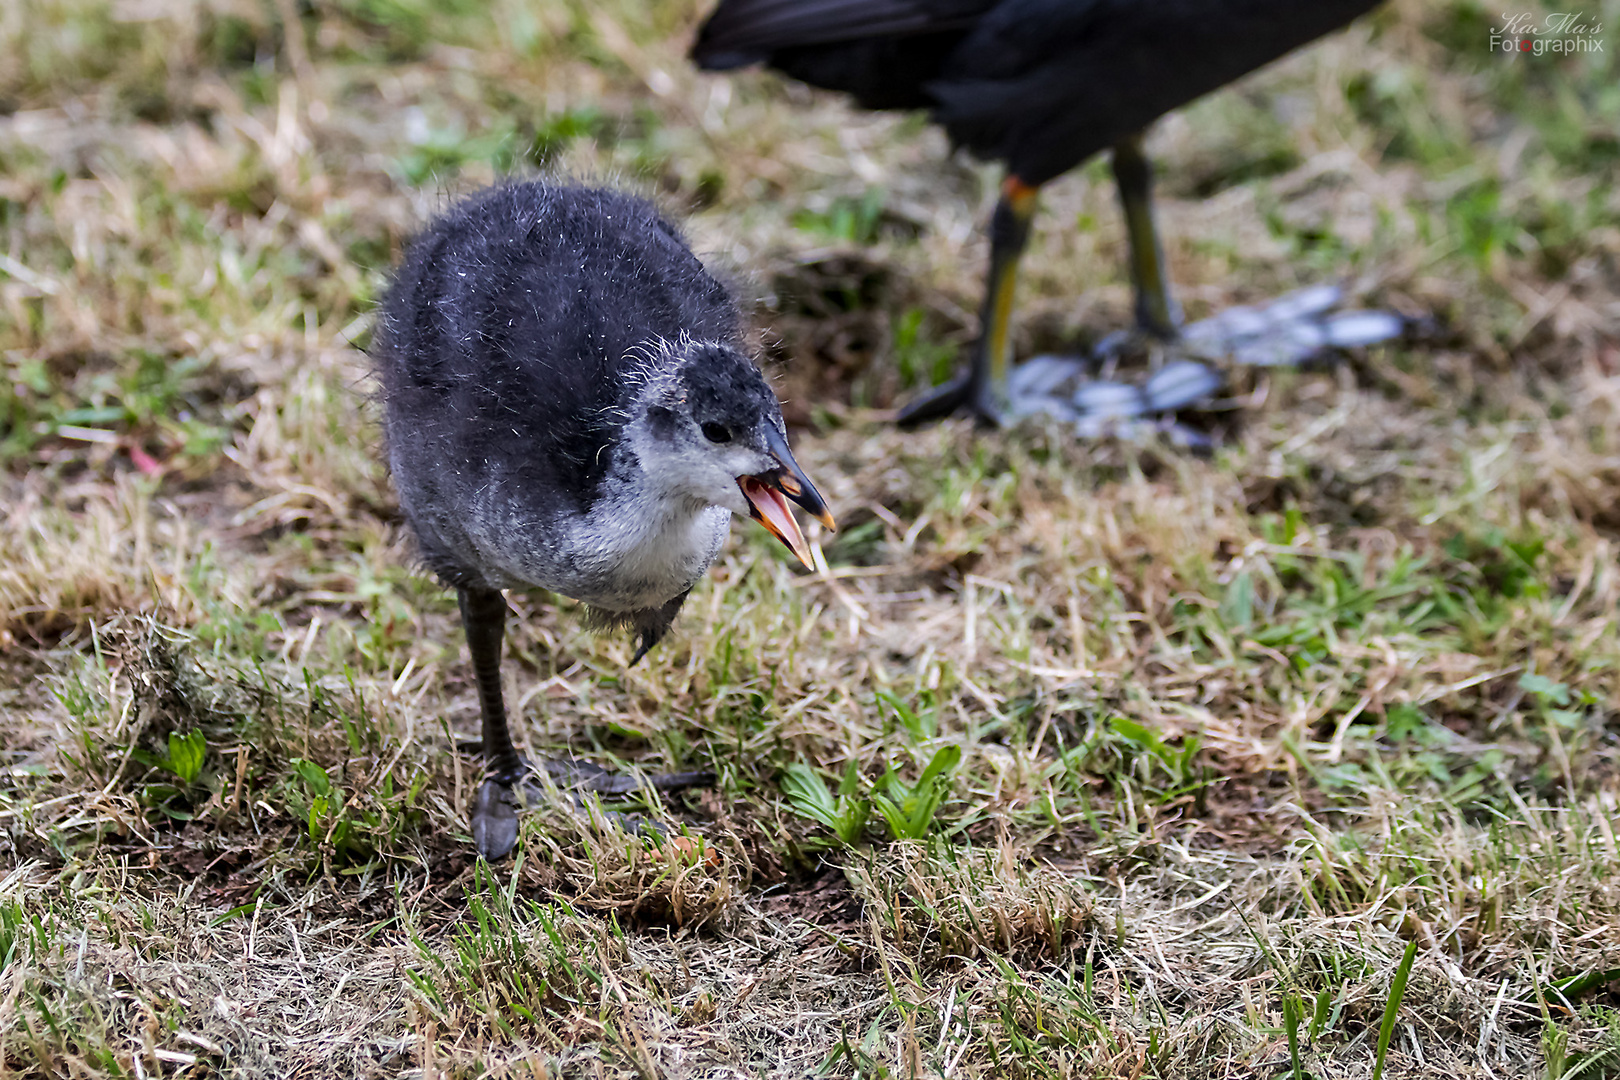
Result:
<point x="568" y="407"/>
<point x="1040" y="85"/>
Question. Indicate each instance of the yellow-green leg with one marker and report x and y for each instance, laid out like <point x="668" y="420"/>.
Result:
<point x="983" y="389"/>
<point x="1156" y="310"/>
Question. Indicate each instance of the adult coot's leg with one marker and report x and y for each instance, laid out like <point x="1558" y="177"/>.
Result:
<point x="1156" y="310"/>
<point x="495" y="809"/>
<point x="1289" y="330"/>
<point x="983" y="388"/>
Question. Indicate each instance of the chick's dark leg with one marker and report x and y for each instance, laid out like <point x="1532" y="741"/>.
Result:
<point x="495" y="808"/>
<point x="1156" y="310"/>
<point x="494" y="819"/>
<point x="983" y="389"/>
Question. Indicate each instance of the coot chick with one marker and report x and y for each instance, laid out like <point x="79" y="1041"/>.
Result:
<point x="1042" y="85"/>
<point x="567" y="406"/>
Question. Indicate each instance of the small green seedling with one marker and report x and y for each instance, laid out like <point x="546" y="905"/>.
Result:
<point x="909" y="808"/>
<point x="1555" y="692"/>
<point x="184" y="758"/>
<point x="186" y="754"/>
<point x="844" y="812"/>
<point x="319" y="786"/>
<point x="921" y="724"/>
<point x="1176" y="762"/>
<point x="852" y="221"/>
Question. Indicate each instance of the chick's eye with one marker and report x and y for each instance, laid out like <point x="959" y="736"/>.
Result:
<point x="716" y="433"/>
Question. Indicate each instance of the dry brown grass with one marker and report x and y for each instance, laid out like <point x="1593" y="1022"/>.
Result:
<point x="1233" y="731"/>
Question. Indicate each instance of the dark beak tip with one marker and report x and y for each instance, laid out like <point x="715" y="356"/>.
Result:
<point x="791" y="481"/>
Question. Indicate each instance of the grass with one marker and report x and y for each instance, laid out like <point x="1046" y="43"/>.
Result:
<point x="1077" y="761"/>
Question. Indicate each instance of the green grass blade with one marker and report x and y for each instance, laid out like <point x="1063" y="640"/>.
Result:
<point x="1291" y="1014"/>
<point x="1397" y="990"/>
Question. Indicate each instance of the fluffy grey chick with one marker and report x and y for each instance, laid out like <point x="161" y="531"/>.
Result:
<point x="567" y="407"/>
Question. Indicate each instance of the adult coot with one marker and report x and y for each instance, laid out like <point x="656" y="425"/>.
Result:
<point x="1041" y="85"/>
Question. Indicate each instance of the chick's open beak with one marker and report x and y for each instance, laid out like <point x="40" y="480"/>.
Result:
<point x="765" y="496"/>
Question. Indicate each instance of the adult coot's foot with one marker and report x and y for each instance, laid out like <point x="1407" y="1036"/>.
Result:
<point x="567" y="407"/>
<point x="1186" y="371"/>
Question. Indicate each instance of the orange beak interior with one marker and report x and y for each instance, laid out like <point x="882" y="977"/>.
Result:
<point x="771" y="510"/>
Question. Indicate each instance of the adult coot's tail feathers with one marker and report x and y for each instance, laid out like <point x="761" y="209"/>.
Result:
<point x="881" y="52"/>
<point x="745" y="32"/>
